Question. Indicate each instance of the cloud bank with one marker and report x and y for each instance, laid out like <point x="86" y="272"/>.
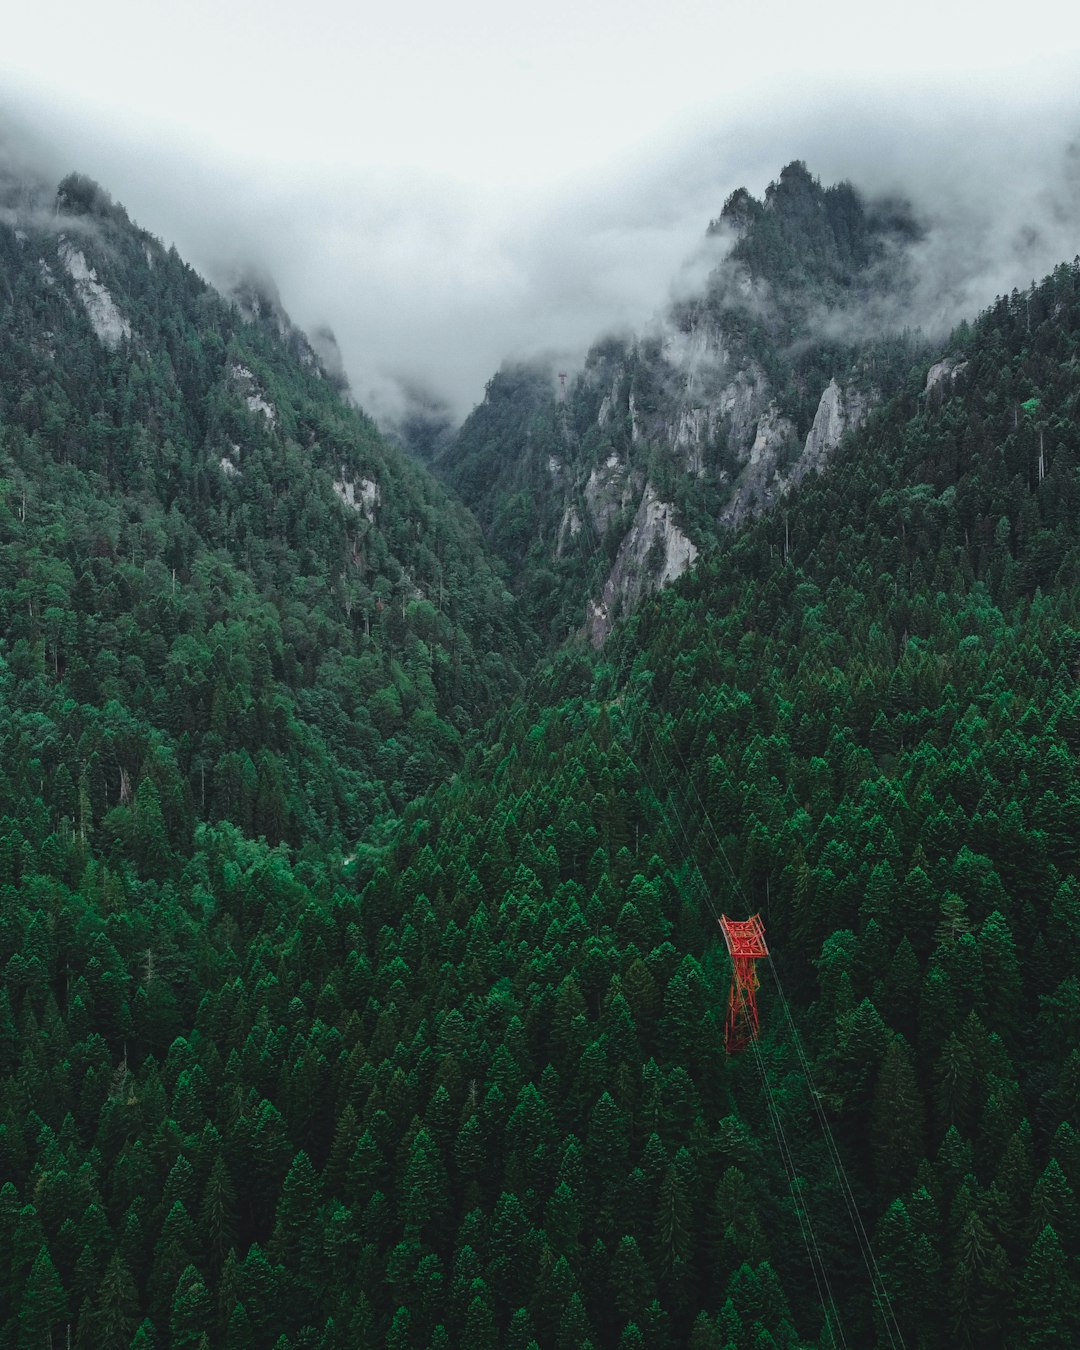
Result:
<point x="429" y="282"/>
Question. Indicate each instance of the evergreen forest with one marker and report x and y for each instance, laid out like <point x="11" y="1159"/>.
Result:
<point x="362" y="981"/>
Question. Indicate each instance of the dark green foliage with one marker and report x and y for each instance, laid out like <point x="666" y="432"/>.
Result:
<point x="470" y="1090"/>
<point x="210" y="632"/>
<point x="508" y="462"/>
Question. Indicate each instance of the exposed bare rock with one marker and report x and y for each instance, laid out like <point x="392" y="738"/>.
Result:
<point x="105" y="319"/>
<point x="774" y="467"/>
<point x="255" y="294"/>
<point x="762" y="480"/>
<point x="252" y="394"/>
<point x="608" y="403"/>
<point x="942" y="373"/>
<point x="692" y="429"/>
<point x="569" y="528"/>
<point x="654" y="553"/>
<point x="230" y="462"/>
<point x="773" y="431"/>
<point x="636" y="430"/>
<point x="325" y="346"/>
<point x="609" y="490"/>
<point x="696" y="354"/>
<point x="715" y="402"/>
<point x="361" y="494"/>
<point x="741" y="404"/>
<point x="839" y="412"/>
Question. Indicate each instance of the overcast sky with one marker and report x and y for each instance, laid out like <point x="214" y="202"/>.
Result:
<point x="448" y="184"/>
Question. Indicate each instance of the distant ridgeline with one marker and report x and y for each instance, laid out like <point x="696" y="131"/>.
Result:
<point x="597" y="497"/>
<point x="469" y="1088"/>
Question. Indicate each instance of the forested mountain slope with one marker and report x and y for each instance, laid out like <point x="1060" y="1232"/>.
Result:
<point x="598" y="493"/>
<point x="473" y="1091"/>
<point x="224" y="596"/>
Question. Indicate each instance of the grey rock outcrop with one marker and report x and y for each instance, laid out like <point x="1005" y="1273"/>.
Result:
<point x="839" y="412"/>
<point x="940" y="375"/>
<point x="653" y="553"/>
<point x="610" y="489"/>
<point x="105" y="318"/>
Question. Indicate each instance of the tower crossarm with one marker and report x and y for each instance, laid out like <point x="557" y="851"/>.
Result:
<point x="745" y="939"/>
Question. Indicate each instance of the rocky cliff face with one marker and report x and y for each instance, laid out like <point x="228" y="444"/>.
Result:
<point x="764" y="456"/>
<point x="653" y="553"/>
<point x="667" y="437"/>
<point x="775" y="463"/>
<point x="105" y="318"/>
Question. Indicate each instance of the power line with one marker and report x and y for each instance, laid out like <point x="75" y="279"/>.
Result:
<point x="802" y="1213"/>
<point x="877" y="1283"/>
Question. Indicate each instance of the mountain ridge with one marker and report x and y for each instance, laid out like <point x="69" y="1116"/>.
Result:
<point x="736" y="395"/>
<point x="184" y="434"/>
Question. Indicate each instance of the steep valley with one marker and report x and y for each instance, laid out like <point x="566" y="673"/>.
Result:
<point x="362" y="843"/>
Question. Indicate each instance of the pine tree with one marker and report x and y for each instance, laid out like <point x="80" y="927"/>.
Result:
<point x="424" y="1186"/>
<point x="217" y="1214"/>
<point x="190" y="1320"/>
<point x="1047" y="1309"/>
<point x="43" y="1307"/>
<point x="896" y="1118"/>
<point x="116" y="1313"/>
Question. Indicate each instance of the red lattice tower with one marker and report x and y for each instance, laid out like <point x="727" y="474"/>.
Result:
<point x="745" y="940"/>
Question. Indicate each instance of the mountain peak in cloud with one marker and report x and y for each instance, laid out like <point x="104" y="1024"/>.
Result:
<point x="430" y="281"/>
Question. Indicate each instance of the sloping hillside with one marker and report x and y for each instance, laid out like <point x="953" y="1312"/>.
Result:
<point x="472" y="1091"/>
<point x="219" y="584"/>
